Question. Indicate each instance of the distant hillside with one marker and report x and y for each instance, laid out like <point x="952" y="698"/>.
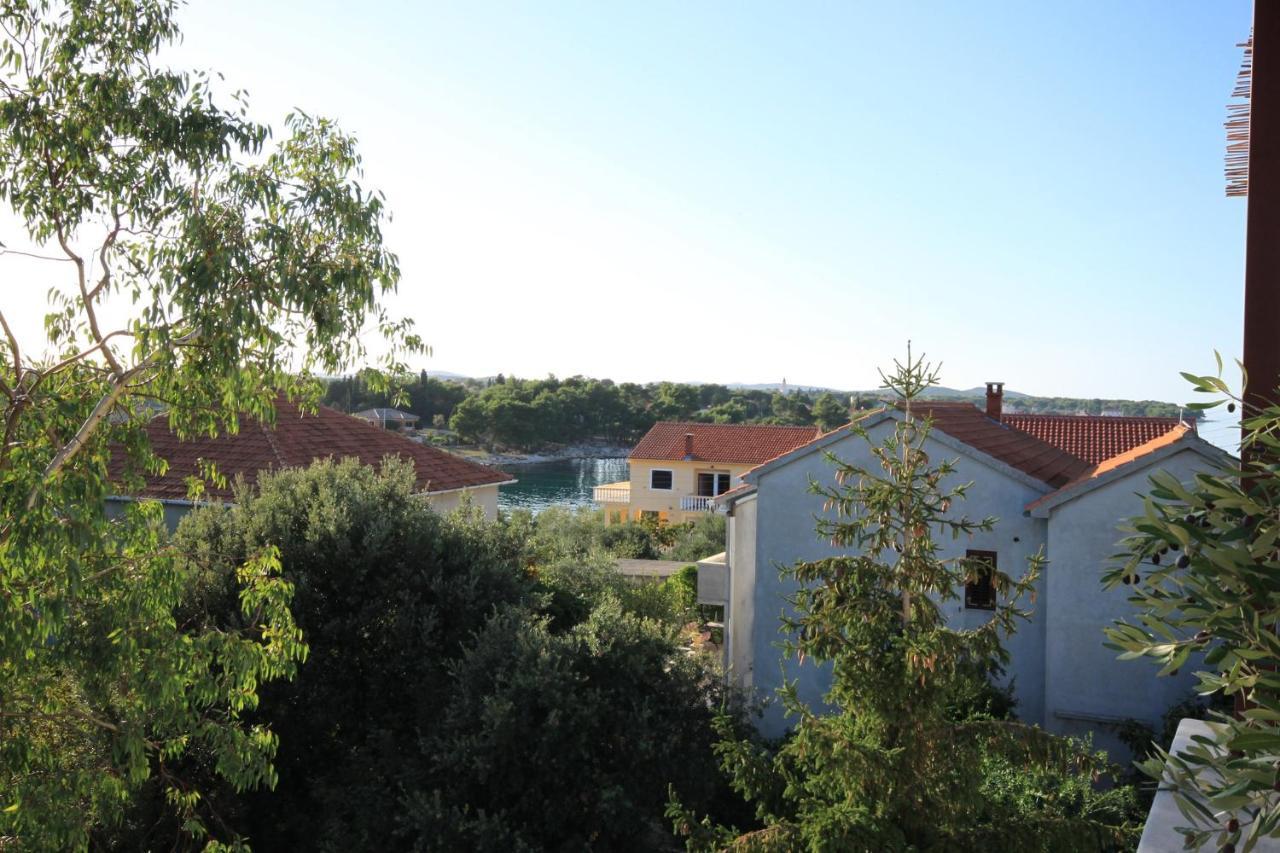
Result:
<point x="778" y="386"/>
<point x="979" y="393"/>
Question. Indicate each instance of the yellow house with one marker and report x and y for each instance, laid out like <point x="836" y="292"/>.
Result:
<point x="678" y="469"/>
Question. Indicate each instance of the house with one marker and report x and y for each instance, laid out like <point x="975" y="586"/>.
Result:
<point x="1061" y="484"/>
<point x="297" y="440"/>
<point x="678" y="469"/>
<point x="389" y="418"/>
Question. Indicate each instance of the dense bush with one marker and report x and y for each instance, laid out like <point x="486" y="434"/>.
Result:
<point x="567" y="740"/>
<point x="458" y="694"/>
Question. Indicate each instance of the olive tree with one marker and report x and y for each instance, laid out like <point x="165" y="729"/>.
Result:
<point x="193" y="264"/>
<point x="1204" y="572"/>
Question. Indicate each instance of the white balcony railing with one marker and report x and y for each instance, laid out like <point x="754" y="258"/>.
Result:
<point x="697" y="503"/>
<point x="612" y="493"/>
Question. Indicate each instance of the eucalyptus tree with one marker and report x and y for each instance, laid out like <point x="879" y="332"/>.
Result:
<point x="193" y="263"/>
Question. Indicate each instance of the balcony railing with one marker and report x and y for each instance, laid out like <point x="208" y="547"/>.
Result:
<point x="612" y="493"/>
<point x="697" y="503"/>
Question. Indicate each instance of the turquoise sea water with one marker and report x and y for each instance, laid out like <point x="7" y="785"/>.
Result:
<point x="564" y="482"/>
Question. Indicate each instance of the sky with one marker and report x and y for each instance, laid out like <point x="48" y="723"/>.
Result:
<point x="751" y="192"/>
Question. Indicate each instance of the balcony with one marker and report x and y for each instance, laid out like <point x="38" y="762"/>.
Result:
<point x="697" y="503"/>
<point x="612" y="493"/>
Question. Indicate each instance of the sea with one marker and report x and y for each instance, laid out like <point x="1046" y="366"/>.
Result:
<point x="562" y="482"/>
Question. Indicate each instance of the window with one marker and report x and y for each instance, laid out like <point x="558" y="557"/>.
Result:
<point x="711" y="484"/>
<point x="979" y="594"/>
<point x="661" y="478"/>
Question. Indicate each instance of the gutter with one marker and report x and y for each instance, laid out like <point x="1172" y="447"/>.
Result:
<point x="190" y="503"/>
<point x="430" y="492"/>
<point x="165" y="501"/>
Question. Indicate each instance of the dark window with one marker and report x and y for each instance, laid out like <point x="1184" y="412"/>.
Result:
<point x="979" y="594"/>
<point x="710" y="485"/>
<point x="660" y="479"/>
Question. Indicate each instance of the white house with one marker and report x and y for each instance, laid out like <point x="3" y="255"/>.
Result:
<point x="388" y="418"/>
<point x="296" y="440"/>
<point x="1058" y="483"/>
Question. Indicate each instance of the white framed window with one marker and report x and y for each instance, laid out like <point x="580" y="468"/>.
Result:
<point x="661" y="479"/>
<point x="712" y="483"/>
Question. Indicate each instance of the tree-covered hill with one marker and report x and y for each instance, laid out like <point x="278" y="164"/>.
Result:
<point x="527" y="414"/>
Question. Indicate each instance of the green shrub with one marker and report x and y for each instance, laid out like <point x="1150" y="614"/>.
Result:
<point x="452" y="698"/>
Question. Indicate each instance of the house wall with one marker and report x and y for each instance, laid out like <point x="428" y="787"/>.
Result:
<point x="1085" y="684"/>
<point x="485" y="497"/>
<point x="740" y="612"/>
<point x="784" y="521"/>
<point x="684" y="484"/>
<point x="173" y="512"/>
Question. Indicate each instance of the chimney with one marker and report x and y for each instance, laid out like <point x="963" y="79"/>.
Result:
<point x="995" y="400"/>
<point x="688" y="445"/>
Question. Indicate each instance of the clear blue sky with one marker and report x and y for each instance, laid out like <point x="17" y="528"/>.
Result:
<point x="1032" y="192"/>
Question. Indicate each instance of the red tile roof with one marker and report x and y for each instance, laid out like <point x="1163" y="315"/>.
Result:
<point x="298" y="440"/>
<point x="747" y="444"/>
<point x="1017" y="449"/>
<point x="1131" y="455"/>
<point x="1091" y="437"/>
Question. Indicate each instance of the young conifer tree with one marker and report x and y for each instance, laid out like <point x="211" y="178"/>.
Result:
<point x="889" y="764"/>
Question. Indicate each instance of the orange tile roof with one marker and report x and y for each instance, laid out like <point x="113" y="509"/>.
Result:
<point x="298" y="440"/>
<point x="1017" y="449"/>
<point x="747" y="444"/>
<point x="1131" y="455"/>
<point x="1092" y="438"/>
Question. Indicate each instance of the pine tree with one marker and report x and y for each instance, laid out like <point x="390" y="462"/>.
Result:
<point x="889" y="765"/>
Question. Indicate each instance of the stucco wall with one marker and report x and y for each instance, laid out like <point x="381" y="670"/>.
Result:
<point x="786" y="516"/>
<point x="173" y="512"/>
<point x="1083" y="678"/>
<point x="740" y="614"/>
<point x="684" y="483"/>
<point x="485" y="497"/>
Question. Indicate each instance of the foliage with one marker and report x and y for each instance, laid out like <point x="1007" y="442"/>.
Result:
<point x="1205" y="576"/>
<point x="889" y="766"/>
<point x="433" y="400"/>
<point x="1032" y="799"/>
<point x="570" y="738"/>
<point x="684" y="587"/>
<point x="386" y="592"/>
<point x="525" y="414"/>
<point x="583" y="534"/>
<point x="229" y="268"/>
<point x="453" y="698"/>
<point x="698" y="539"/>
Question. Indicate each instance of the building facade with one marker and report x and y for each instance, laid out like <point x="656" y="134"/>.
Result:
<point x="1046" y="500"/>
<point x="679" y="469"/>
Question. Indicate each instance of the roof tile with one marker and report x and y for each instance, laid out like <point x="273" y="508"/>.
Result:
<point x="1093" y="438"/>
<point x="297" y="440"/>
<point x="748" y="444"/>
